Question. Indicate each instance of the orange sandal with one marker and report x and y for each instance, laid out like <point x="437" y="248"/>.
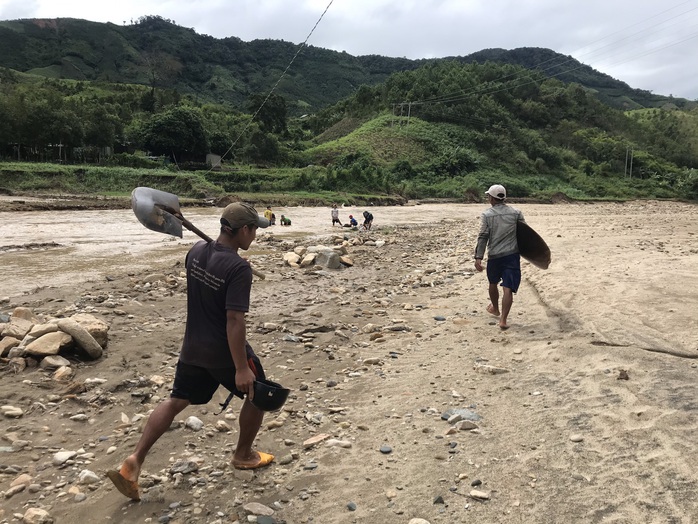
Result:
<point x="126" y="487"/>
<point x="264" y="460"/>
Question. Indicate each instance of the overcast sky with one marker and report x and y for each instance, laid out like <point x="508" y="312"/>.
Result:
<point x="648" y="44"/>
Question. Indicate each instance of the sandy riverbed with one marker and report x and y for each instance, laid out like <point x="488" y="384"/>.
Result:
<point x="560" y="436"/>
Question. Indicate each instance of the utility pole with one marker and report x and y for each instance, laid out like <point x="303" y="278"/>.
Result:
<point x="627" y="150"/>
<point x="409" y="110"/>
<point x="631" y="162"/>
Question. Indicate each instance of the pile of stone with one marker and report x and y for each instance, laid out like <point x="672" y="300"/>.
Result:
<point x="29" y="341"/>
<point x="335" y="256"/>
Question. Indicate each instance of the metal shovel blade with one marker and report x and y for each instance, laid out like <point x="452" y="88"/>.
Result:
<point x="153" y="208"/>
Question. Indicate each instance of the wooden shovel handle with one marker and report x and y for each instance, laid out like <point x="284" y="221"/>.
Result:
<point x="191" y="227"/>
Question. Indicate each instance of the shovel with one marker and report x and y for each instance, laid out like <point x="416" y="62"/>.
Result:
<point x="159" y="211"/>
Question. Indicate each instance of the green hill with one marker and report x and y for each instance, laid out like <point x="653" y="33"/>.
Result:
<point x="158" y="53"/>
<point x="154" y="93"/>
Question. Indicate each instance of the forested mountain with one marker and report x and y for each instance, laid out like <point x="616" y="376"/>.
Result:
<point x="158" y="53"/>
<point x="142" y="94"/>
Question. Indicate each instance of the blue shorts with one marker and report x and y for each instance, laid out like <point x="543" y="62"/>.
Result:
<point x="507" y="269"/>
<point x="197" y="384"/>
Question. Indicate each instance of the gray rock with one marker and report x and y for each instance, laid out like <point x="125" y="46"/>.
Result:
<point x="184" y="467"/>
<point x="88" y="477"/>
<point x="61" y="457"/>
<point x="14" y="490"/>
<point x="481" y="495"/>
<point x="154" y="277"/>
<point x="328" y="259"/>
<point x="286" y="459"/>
<point x="17" y="352"/>
<point x="465" y="414"/>
<point x="194" y="423"/>
<point x="336" y="443"/>
<point x="255" y="508"/>
<point x="12" y="411"/>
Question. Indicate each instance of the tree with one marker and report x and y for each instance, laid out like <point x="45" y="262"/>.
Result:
<point x="261" y="148"/>
<point x="177" y="132"/>
<point x="272" y="115"/>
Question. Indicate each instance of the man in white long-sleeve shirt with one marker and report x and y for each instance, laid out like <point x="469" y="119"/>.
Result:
<point x="498" y="235"/>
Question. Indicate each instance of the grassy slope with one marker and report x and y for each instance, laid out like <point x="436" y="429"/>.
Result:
<point x="385" y="139"/>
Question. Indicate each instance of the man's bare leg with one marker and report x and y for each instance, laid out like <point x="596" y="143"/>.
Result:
<point x="159" y="421"/>
<point x="493" y="308"/>
<point x="507" y="301"/>
<point x="250" y="421"/>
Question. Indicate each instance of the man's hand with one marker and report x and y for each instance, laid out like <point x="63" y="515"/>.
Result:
<point x="244" y="381"/>
<point x="478" y="264"/>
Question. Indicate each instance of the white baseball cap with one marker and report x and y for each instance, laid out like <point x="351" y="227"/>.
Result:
<point x="497" y="191"/>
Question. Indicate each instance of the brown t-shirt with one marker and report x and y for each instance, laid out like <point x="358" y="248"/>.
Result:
<point x="218" y="279"/>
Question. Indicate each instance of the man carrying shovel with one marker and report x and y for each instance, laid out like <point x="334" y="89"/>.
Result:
<point x="214" y="351"/>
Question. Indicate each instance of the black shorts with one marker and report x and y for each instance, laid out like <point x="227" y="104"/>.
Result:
<point x="507" y="269"/>
<point x="336" y="221"/>
<point x="197" y="384"/>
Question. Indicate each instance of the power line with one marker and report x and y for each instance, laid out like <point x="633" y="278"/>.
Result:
<point x="281" y="76"/>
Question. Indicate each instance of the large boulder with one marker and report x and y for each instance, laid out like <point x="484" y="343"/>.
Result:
<point x="328" y="259"/>
<point x="98" y="328"/>
<point x="49" y="344"/>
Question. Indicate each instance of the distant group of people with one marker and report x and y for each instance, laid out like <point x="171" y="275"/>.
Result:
<point x="271" y="217"/>
<point x="351" y="223"/>
<point x="368" y="219"/>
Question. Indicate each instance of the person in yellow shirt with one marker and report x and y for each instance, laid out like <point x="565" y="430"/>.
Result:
<point x="268" y="214"/>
